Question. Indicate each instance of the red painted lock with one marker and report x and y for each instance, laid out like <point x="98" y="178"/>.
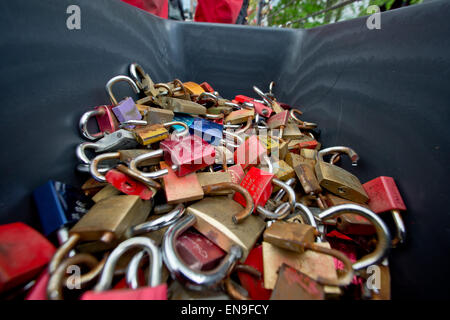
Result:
<point x="197" y="251"/>
<point x="154" y="291"/>
<point x="259" y="185"/>
<point x="260" y="108"/>
<point x="24" y="252"/>
<point x="308" y="144"/>
<point x="190" y="154"/>
<point x="278" y="120"/>
<point x="250" y="152"/>
<point x="384" y="196"/>
<point x="107" y="121"/>
<point x="207" y="87"/>
<point x="237" y="173"/>
<point x="345" y="245"/>
<point x="128" y="185"/>
<point x="254" y="286"/>
<point x="39" y="290"/>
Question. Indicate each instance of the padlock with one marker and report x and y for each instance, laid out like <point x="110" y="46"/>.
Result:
<point x="260" y="108"/>
<point x="159" y="116"/>
<point x="285" y="208"/>
<point x="59" y="205"/>
<point x="91" y="187"/>
<point x="157" y="132"/>
<point x="107" y="221"/>
<point x="181" y="189"/>
<point x="259" y="185"/>
<point x="143" y="80"/>
<point x="270" y="102"/>
<point x="209" y="131"/>
<point x="155" y="289"/>
<point x="384" y="196"/>
<point x="126" y="156"/>
<point x="106" y="121"/>
<point x="208" y="178"/>
<point x="193" y="88"/>
<point x="224" y="156"/>
<point x="304" y="170"/>
<point x="206" y="86"/>
<point x="194" y="279"/>
<point x="291" y="131"/>
<point x="189" y="154"/>
<point x="236" y="291"/>
<point x="128" y="185"/>
<point x="126" y="109"/>
<point x="225" y="222"/>
<point x="105" y="193"/>
<point x="338" y="180"/>
<point x="197" y="251"/>
<point x="253" y="285"/>
<point x="350" y="223"/>
<point x="282" y="171"/>
<point x="295" y="285"/>
<point x="239" y="116"/>
<point x="24" y="253"/>
<point x="237" y="173"/>
<point x="278" y="121"/>
<point x="121" y="139"/>
<point x="250" y="152"/>
<point x="180" y="105"/>
<point x="187" y="119"/>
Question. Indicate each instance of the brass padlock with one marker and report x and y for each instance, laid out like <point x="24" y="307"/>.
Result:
<point x="180" y="105"/>
<point x="156" y="132"/>
<point x="143" y="80"/>
<point x="338" y="180"/>
<point x="106" y="221"/>
<point x="305" y="173"/>
<point x="239" y="116"/>
<point x="106" y="192"/>
<point x="158" y="116"/>
<point x="215" y="221"/>
<point x="291" y="131"/>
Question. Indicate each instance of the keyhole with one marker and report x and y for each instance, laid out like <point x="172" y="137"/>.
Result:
<point x="341" y="190"/>
<point x="128" y="186"/>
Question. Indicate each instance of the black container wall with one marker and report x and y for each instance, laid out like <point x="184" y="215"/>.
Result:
<point x="384" y="93"/>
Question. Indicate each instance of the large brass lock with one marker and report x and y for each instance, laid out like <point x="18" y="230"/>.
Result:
<point x="338" y="180"/>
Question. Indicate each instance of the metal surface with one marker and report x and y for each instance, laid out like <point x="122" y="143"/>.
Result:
<point x="383" y="92"/>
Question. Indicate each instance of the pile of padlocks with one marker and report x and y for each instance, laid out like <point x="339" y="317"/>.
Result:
<point x="193" y="196"/>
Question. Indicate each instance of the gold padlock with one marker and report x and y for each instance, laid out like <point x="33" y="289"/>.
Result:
<point x="105" y="193"/>
<point x="291" y="131"/>
<point x="180" y="105"/>
<point x="156" y="132"/>
<point x="106" y="221"/>
<point x="158" y="115"/>
<point x="216" y="220"/>
<point x="239" y="116"/>
<point x="193" y="88"/>
<point x="338" y="180"/>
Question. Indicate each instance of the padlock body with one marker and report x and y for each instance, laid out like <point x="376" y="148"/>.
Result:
<point x="107" y="122"/>
<point x="188" y="120"/>
<point x="128" y="185"/>
<point x="250" y="152"/>
<point x="209" y="131"/>
<point x="197" y="251"/>
<point x="340" y="182"/>
<point x="158" y="116"/>
<point x="151" y="133"/>
<point x="289" y="235"/>
<point x="278" y="120"/>
<point x="59" y="204"/>
<point x="193" y="88"/>
<point x="189" y="154"/>
<point x="214" y="221"/>
<point x="291" y="131"/>
<point x="126" y="110"/>
<point x="239" y="116"/>
<point x="259" y="185"/>
<point x="24" y="253"/>
<point x="383" y="195"/>
<point x="237" y="173"/>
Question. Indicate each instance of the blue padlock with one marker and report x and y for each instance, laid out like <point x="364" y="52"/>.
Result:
<point x="209" y="131"/>
<point x="59" y="205"/>
<point x="181" y="117"/>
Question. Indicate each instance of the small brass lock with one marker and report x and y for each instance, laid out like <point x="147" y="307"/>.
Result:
<point x="338" y="180"/>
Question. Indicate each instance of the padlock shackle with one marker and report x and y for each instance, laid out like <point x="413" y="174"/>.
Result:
<point x="280" y="194"/>
<point x="289" y="190"/>
<point x="209" y="96"/>
<point x="116" y="79"/>
<point x="340" y="149"/>
<point x="152" y="154"/>
<point x="169" y="91"/>
<point x="281" y="212"/>
<point x="95" y="162"/>
<point x="246" y="127"/>
<point x="308" y="217"/>
<point x="159" y="223"/>
<point x="56" y="281"/>
<point x="229" y="286"/>
<point x="214" y="116"/>
<point x="124" y="124"/>
<point x="266" y="99"/>
<point x="81" y="151"/>
<point x="249" y="205"/>
<point x="148" y="246"/>
<point x="82" y="124"/>
<point x="294" y="117"/>
<point x="383" y="234"/>
<point x="195" y="280"/>
<point x="179" y="134"/>
<point x="137" y="73"/>
<point x="132" y="275"/>
<point x="62" y="252"/>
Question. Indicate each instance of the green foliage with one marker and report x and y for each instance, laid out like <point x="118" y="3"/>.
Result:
<point x="288" y="10"/>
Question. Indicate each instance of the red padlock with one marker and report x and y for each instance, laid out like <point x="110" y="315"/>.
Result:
<point x="206" y="87"/>
<point x="260" y="108"/>
<point x="197" y="251"/>
<point x="237" y="173"/>
<point x="189" y="154"/>
<point x="259" y="185"/>
<point x="308" y="144"/>
<point x="254" y="286"/>
<point x="250" y="152"/>
<point x="345" y="245"/>
<point x="128" y="185"/>
<point x="24" y="252"/>
<point x="384" y="196"/>
<point x="107" y="121"/>
<point x="39" y="290"/>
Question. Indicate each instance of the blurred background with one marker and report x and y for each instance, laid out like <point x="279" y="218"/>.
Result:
<point x="268" y="13"/>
